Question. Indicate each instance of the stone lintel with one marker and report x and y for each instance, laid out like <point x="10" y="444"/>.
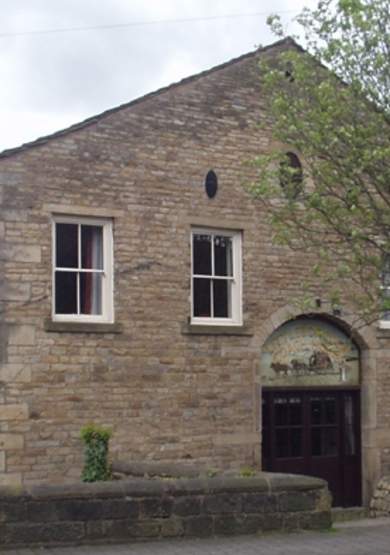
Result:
<point x="98" y="212"/>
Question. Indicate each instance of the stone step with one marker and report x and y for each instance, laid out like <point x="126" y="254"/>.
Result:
<point x="344" y="514"/>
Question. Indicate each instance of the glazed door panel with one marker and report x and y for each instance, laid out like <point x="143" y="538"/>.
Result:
<point x="315" y="433"/>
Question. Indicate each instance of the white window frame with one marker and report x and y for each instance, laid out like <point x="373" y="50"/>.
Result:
<point x="107" y="315"/>
<point x="236" y="279"/>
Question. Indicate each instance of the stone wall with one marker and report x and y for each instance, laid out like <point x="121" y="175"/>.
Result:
<point x="151" y="509"/>
<point x="380" y="502"/>
<point x="169" y="391"/>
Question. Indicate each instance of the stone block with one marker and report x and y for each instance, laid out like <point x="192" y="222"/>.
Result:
<point x="14" y="511"/>
<point x="12" y="479"/>
<point x="172" y="527"/>
<point x="14" y="412"/>
<point x="21" y="335"/>
<point x="20" y="253"/>
<point x="199" y="526"/>
<point x="108" y="530"/>
<point x="145" y="529"/>
<point x="222" y="503"/>
<point x="2" y="461"/>
<point x="320" y="520"/>
<point x="259" y="503"/>
<point x="10" y="441"/>
<point x="76" y="510"/>
<point x="291" y="502"/>
<point x="15" y="373"/>
<point x="187" y="506"/>
<point x="120" y="509"/>
<point x="14" y="291"/>
<point x="157" y="507"/>
<point x="42" y="533"/>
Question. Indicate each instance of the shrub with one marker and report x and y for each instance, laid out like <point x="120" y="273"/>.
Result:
<point x="96" y="467"/>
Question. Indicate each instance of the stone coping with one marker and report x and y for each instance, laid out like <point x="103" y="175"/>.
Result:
<point x="140" y="487"/>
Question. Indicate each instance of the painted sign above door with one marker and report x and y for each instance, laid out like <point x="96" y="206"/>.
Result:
<point x="309" y="352"/>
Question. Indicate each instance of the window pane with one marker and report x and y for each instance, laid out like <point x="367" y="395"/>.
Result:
<point x="222" y="295"/>
<point x="281" y="443"/>
<point x="330" y="410"/>
<point x="223" y="253"/>
<point x="92" y="247"/>
<point x="202" y="301"/>
<point x="324" y="442"/>
<point x="66" y="246"/>
<point x="66" y="292"/>
<point x="91" y="293"/>
<point x="202" y="254"/>
<point x="315" y="410"/>
<point x="296" y="442"/>
<point x="295" y="411"/>
<point x="281" y="411"/>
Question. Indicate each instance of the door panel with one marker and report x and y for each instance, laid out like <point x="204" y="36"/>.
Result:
<point x="315" y="433"/>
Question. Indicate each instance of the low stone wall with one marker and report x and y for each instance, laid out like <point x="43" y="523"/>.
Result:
<point x="130" y="510"/>
<point x="380" y="502"/>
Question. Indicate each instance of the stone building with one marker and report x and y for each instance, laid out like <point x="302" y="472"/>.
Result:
<point x="140" y="289"/>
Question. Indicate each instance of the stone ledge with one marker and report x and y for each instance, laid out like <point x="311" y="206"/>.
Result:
<point x="143" y="487"/>
<point x="81" y="327"/>
<point x="194" y="329"/>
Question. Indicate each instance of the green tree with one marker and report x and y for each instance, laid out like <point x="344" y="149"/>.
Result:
<point x="330" y="103"/>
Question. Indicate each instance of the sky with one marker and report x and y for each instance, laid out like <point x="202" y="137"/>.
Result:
<point x="52" y="76"/>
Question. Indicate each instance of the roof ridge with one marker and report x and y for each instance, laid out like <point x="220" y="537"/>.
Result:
<point x="287" y="41"/>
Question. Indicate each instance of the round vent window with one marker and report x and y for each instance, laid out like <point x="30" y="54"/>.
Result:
<point x="211" y="184"/>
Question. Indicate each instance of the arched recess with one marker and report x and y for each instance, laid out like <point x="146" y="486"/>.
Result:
<point x="363" y="337"/>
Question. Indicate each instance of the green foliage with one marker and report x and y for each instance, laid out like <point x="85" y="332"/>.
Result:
<point x="247" y="472"/>
<point x="331" y="106"/>
<point x="96" y="467"/>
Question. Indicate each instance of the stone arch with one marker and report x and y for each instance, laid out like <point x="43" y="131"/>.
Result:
<point x="364" y="337"/>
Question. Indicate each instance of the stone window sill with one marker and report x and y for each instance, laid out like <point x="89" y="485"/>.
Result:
<point x="81" y="327"/>
<point x="198" y="329"/>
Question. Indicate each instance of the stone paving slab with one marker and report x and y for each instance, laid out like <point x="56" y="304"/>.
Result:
<point x="371" y="537"/>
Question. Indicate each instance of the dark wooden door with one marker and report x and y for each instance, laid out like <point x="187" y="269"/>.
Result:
<point x="315" y="432"/>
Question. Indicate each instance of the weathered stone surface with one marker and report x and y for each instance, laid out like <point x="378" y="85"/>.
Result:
<point x="17" y="373"/>
<point x="222" y="503"/>
<point x="88" y="513"/>
<point x="20" y="253"/>
<point x="21" y="335"/>
<point x="42" y="533"/>
<point x="14" y="412"/>
<point x="290" y="502"/>
<point x="199" y="526"/>
<point x="14" y="291"/>
<point x="11" y="441"/>
<point x="187" y="506"/>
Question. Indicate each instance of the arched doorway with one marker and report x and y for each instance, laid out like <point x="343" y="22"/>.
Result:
<point x="311" y="406"/>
